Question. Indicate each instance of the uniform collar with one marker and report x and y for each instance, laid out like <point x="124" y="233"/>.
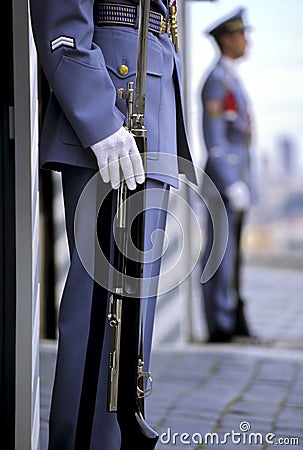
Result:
<point x="229" y="64"/>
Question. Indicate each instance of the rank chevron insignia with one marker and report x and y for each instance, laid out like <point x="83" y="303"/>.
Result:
<point x="62" y="41"/>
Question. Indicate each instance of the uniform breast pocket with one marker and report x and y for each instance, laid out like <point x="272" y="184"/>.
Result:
<point x="119" y="48"/>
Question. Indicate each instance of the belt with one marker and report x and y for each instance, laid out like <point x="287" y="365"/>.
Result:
<point x="126" y="15"/>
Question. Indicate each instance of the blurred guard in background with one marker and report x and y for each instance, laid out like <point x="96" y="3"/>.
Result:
<point x="227" y="135"/>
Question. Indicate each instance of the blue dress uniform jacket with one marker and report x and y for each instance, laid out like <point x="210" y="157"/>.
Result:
<point x="226" y="128"/>
<point x="227" y="135"/>
<point x="81" y="62"/>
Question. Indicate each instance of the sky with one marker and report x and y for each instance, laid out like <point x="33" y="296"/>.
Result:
<point x="272" y="70"/>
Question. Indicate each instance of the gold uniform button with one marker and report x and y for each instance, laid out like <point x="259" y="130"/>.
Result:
<point x="123" y="70"/>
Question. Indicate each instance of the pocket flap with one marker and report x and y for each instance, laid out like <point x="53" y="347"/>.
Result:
<point x="119" y="47"/>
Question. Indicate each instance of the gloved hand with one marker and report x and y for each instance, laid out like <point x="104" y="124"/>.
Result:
<point x="117" y="150"/>
<point x="238" y="196"/>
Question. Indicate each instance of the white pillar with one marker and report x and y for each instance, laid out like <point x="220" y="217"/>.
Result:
<point x="27" y="409"/>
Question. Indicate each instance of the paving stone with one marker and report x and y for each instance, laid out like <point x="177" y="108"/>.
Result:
<point x="252" y="408"/>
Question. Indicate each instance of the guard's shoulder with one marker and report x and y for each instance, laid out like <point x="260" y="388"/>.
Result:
<point x="216" y="78"/>
<point x="218" y="73"/>
<point x="214" y="84"/>
<point x="221" y="78"/>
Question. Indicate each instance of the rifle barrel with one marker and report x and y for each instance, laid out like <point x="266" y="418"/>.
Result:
<point x="139" y="106"/>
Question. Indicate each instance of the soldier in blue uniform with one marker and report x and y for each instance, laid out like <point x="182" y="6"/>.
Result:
<point x="227" y="135"/>
<point x="87" y="50"/>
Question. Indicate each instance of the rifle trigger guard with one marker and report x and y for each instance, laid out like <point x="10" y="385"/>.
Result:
<point x="143" y="393"/>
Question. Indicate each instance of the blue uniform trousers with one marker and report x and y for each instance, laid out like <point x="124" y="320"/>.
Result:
<point x="222" y="300"/>
<point x="79" y="419"/>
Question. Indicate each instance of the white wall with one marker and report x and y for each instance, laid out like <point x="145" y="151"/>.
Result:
<point x="27" y="409"/>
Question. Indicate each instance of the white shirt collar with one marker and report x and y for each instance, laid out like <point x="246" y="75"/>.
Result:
<point x="229" y="64"/>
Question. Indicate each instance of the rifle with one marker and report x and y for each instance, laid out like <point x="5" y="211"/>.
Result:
<point x="126" y="382"/>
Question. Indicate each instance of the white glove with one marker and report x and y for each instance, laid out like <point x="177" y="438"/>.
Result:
<point x="119" y="149"/>
<point x="238" y="196"/>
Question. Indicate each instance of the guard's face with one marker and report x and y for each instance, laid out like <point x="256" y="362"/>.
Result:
<point x="234" y="44"/>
